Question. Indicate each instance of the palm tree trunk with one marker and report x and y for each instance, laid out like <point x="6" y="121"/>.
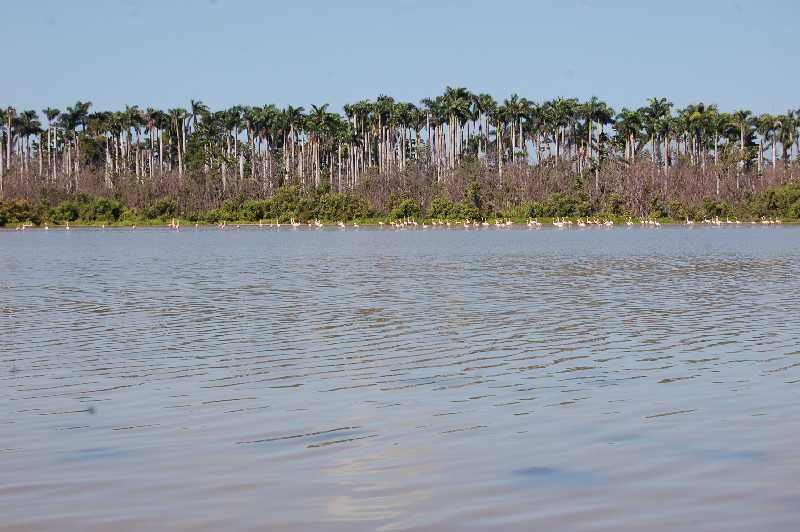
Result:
<point x="558" y="146"/>
<point x="107" y="166"/>
<point x="41" y="162"/>
<point x="8" y="141"/>
<point x="178" y="146"/>
<point x="774" y="150"/>
<point x="760" y="154"/>
<point x="499" y="145"/>
<point x="741" y="146"/>
<point x="632" y="143"/>
<point x="2" y="166"/>
<point x="69" y="157"/>
<point x="513" y="142"/>
<point x="160" y="153"/>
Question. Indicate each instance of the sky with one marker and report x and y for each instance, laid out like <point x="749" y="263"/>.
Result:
<point x="162" y="53"/>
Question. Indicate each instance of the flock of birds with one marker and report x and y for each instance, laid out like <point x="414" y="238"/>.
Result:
<point x="717" y="221"/>
<point x="558" y="222"/>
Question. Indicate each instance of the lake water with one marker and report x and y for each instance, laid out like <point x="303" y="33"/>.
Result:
<point x="593" y="379"/>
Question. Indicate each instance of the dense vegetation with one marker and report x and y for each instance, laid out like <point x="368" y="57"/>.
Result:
<point x="321" y="204"/>
<point x="458" y="155"/>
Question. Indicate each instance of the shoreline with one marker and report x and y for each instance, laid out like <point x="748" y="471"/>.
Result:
<point x="420" y="224"/>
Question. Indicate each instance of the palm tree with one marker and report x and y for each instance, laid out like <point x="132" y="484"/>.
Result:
<point x="456" y="102"/>
<point x="10" y="113"/>
<point x="717" y="123"/>
<point x="290" y="121"/>
<point x="26" y="124"/>
<point x="515" y="110"/>
<point x="652" y="115"/>
<point x="789" y="125"/>
<point x="316" y="125"/>
<point x="782" y="127"/>
<point x="560" y="115"/>
<point x="177" y="117"/>
<point x="741" y="120"/>
<point x="483" y="104"/>
<point x="765" y="125"/>
<point x="694" y="121"/>
<point x="51" y="114"/>
<point x="149" y="118"/>
<point x="628" y="126"/>
<point x="595" y="111"/>
<point x="2" y="153"/>
<point x="198" y="109"/>
<point x="101" y="124"/>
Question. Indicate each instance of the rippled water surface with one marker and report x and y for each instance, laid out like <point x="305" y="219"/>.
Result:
<point x="374" y="379"/>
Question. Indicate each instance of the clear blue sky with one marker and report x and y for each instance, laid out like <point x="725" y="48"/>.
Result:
<point x="161" y="53"/>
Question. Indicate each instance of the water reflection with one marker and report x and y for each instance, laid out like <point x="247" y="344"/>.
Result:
<point x="514" y="379"/>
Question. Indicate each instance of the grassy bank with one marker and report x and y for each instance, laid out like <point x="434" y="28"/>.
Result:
<point x="329" y="208"/>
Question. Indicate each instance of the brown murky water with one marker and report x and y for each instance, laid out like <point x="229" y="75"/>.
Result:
<point x="597" y="379"/>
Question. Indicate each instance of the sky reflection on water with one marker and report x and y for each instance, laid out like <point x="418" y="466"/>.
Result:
<point x="594" y="379"/>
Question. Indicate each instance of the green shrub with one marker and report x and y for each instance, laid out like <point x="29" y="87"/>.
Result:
<point x="406" y="209"/>
<point x="332" y="207"/>
<point x="473" y="195"/>
<point x="162" y="210"/>
<point x="781" y="201"/>
<point x="129" y="215"/>
<point x="520" y="211"/>
<point x="675" y="210"/>
<point x="616" y="206"/>
<point x="17" y="212"/>
<point x="560" y="205"/>
<point x="713" y="209"/>
<point x="440" y="208"/>
<point x="284" y="203"/>
<point x="465" y="211"/>
<point x="101" y="209"/>
<point x="254" y="210"/>
<point x="66" y="211"/>
<point x="211" y="217"/>
<point x="656" y="210"/>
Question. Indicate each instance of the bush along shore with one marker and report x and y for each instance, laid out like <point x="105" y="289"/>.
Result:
<point x="322" y="205"/>
<point x="460" y="154"/>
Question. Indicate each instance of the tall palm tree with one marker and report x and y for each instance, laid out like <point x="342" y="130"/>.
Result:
<point x="765" y="125"/>
<point x="628" y="126"/>
<point x="782" y="127"/>
<point x="51" y="114"/>
<point x="26" y="124"/>
<point x="789" y="123"/>
<point x="743" y="122"/>
<point x="483" y="104"/>
<point x="177" y="118"/>
<point x="717" y="124"/>
<point x="197" y="109"/>
<point x="594" y="112"/>
<point x="657" y="110"/>
<point x="10" y="113"/>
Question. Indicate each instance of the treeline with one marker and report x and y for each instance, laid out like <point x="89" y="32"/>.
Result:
<point x="381" y="152"/>
<point x="320" y="203"/>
